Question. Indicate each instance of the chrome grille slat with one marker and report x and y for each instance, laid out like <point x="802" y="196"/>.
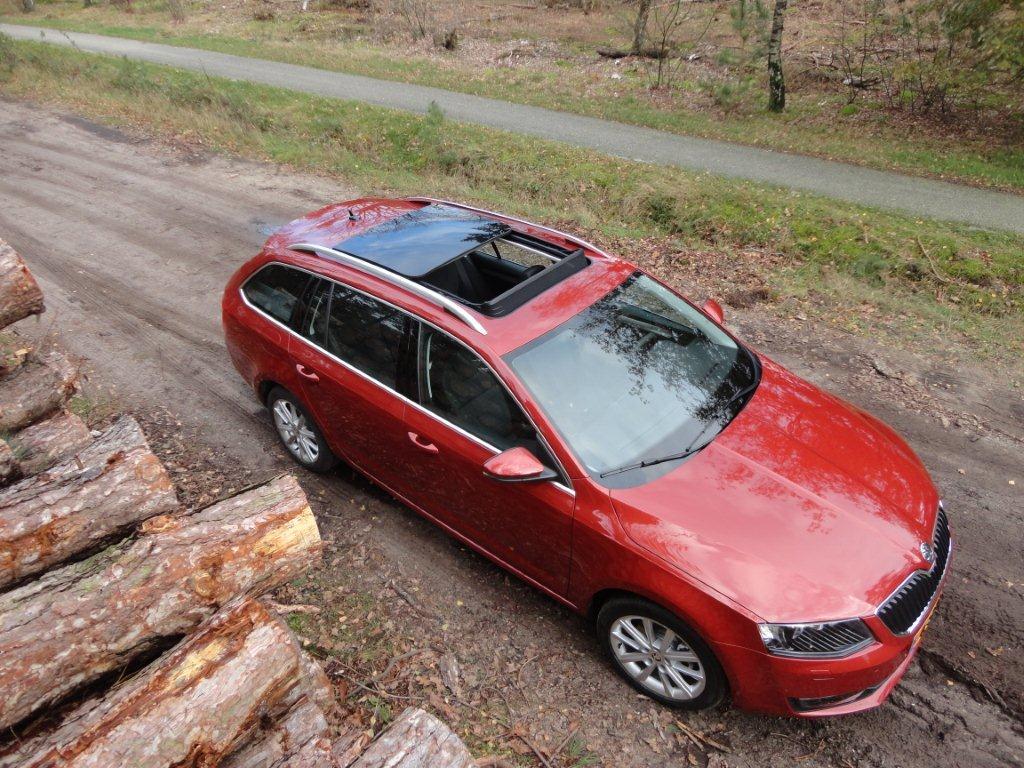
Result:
<point x="910" y="602"/>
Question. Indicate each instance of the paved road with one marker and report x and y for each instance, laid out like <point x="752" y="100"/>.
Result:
<point x="920" y="197"/>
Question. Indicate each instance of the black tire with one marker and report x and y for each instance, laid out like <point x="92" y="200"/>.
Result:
<point x="324" y="460"/>
<point x="715" y="685"/>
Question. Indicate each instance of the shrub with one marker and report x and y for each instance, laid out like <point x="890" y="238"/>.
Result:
<point x="8" y="54"/>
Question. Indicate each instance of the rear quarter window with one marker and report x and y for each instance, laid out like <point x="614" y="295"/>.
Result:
<point x="276" y="290"/>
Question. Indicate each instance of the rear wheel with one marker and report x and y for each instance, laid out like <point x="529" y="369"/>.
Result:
<point x="659" y="655"/>
<point x="298" y="432"/>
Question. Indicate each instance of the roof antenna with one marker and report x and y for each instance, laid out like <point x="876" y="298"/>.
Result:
<point x="352" y="216"/>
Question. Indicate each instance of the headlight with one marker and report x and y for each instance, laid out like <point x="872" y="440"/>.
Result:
<point x="829" y="640"/>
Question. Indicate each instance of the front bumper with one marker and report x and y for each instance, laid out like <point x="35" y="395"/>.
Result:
<point x="812" y="688"/>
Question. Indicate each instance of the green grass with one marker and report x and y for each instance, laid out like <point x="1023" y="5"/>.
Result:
<point x="925" y="281"/>
<point x="815" y="122"/>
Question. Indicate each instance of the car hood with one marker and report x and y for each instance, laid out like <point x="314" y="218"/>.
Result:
<point x="803" y="509"/>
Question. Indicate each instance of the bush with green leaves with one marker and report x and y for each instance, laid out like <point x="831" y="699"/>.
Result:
<point x="934" y="56"/>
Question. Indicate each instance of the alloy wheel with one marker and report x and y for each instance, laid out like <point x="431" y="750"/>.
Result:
<point x="657" y="658"/>
<point x="295" y="432"/>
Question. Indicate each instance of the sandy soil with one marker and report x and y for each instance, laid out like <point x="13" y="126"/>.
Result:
<point x="133" y="242"/>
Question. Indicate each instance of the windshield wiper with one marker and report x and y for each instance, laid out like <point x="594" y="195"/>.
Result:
<point x="691" y="449"/>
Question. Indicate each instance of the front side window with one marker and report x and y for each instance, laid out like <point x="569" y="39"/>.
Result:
<point x="276" y="289"/>
<point x="366" y="333"/>
<point x="637" y="378"/>
<point x="458" y="386"/>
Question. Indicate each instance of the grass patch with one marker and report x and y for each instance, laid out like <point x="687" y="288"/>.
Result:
<point x="927" y="278"/>
<point x="815" y="122"/>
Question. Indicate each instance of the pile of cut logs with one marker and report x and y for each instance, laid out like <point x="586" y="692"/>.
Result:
<point x="132" y="632"/>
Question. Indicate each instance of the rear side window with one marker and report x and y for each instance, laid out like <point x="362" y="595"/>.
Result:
<point x="276" y="289"/>
<point x="366" y="334"/>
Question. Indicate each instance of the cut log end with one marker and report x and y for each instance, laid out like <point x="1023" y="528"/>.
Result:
<point x="20" y="295"/>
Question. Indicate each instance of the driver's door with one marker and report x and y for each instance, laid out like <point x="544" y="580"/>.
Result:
<point x="466" y="416"/>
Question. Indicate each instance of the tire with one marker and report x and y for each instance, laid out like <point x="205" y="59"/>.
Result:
<point x="298" y="432"/>
<point x="688" y="659"/>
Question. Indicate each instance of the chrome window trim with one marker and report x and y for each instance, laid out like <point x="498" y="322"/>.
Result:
<point x="448" y="305"/>
<point x="914" y="574"/>
<point x="482" y="443"/>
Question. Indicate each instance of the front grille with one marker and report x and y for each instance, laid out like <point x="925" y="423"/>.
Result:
<point x="908" y="604"/>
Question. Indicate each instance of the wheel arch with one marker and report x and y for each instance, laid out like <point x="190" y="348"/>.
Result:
<point x="265" y="387"/>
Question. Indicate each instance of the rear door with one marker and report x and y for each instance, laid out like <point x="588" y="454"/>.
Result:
<point x="351" y="360"/>
<point x="259" y="338"/>
<point x="466" y="416"/>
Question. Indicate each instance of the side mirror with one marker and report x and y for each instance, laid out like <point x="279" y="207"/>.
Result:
<point x="714" y="310"/>
<point x="517" y="465"/>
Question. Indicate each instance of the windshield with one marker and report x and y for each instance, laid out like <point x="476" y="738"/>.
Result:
<point x="639" y="376"/>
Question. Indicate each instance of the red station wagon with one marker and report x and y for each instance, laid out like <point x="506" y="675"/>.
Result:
<point x="727" y="527"/>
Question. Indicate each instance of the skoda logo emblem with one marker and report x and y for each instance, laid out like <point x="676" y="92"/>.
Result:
<point x="927" y="552"/>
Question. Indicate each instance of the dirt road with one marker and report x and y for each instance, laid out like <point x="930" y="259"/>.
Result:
<point x="133" y="242"/>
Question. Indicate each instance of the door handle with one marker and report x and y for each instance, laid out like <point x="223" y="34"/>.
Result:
<point x="305" y="373"/>
<point x="422" y="443"/>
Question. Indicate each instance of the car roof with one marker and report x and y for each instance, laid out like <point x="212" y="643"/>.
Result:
<point x="357" y="224"/>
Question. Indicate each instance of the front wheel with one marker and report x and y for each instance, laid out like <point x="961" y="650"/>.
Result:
<point x="659" y="655"/>
<point x="298" y="432"/>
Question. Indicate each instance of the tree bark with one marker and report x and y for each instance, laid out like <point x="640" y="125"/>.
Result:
<point x="191" y="707"/>
<point x="643" y="13"/>
<point x="106" y="489"/>
<point x="42" y="445"/>
<point x="300" y="738"/>
<point x="14" y="350"/>
<point x="76" y="623"/>
<point x="37" y="388"/>
<point x="20" y="295"/>
<point x="416" y="740"/>
<point x="776" y="77"/>
<point x="9" y="468"/>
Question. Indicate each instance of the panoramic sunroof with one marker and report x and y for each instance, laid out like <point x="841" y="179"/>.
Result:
<point x="416" y="243"/>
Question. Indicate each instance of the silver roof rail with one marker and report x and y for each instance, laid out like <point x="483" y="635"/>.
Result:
<point x="435" y="298"/>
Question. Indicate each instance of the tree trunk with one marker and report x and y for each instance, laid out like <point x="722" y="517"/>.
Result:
<point x="416" y="740"/>
<point x="37" y="388"/>
<point x="42" y="445"/>
<point x="74" y="624"/>
<point x="20" y="295"/>
<point x="9" y="468"/>
<point x="776" y="78"/>
<point x="191" y="707"/>
<point x="300" y="738"/>
<point x="14" y="350"/>
<point x="643" y="13"/>
<point x="106" y="489"/>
